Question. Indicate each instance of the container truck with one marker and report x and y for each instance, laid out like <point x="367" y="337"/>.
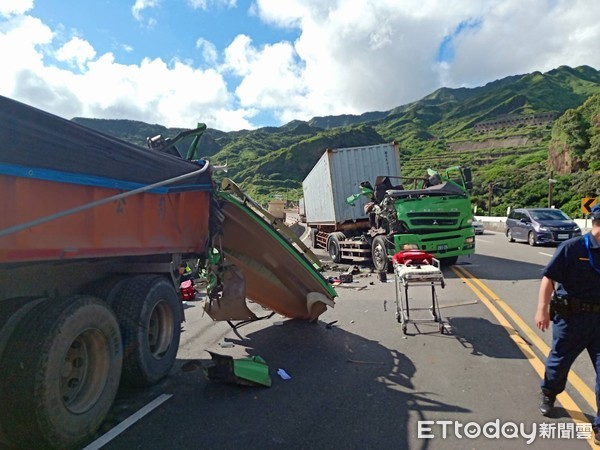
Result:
<point x="93" y="231"/>
<point x="356" y="221"/>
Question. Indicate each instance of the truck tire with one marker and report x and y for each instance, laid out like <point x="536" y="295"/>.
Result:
<point x="149" y="312"/>
<point x="12" y="312"/>
<point x="106" y="289"/>
<point x="380" y="255"/>
<point x="333" y="246"/>
<point x="61" y="372"/>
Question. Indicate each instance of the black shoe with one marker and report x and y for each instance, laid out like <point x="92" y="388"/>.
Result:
<point x="547" y="404"/>
<point x="596" y="435"/>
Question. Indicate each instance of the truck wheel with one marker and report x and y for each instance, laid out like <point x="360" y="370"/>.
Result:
<point x="379" y="253"/>
<point x="149" y="312"/>
<point x="61" y="371"/>
<point x="106" y="288"/>
<point x="333" y="248"/>
<point x="12" y="312"/>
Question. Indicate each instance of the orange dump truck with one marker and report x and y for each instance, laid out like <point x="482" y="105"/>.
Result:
<point x="92" y="234"/>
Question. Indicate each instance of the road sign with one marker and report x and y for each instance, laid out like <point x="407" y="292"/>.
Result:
<point x="587" y="203"/>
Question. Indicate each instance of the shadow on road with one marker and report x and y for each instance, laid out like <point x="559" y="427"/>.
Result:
<point x="484" y="338"/>
<point x="492" y="268"/>
<point x="345" y="391"/>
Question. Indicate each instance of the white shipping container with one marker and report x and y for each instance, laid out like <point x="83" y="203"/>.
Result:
<point x="338" y="174"/>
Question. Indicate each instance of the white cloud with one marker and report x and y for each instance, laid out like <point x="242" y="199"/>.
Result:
<point x="141" y="5"/>
<point x="208" y="50"/>
<point x="349" y="57"/>
<point x="205" y="4"/>
<point x="365" y="55"/>
<point x="153" y="91"/>
<point x="15" y="7"/>
<point x="240" y="56"/>
<point x="77" y="52"/>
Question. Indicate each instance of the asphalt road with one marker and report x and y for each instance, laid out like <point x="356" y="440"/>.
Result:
<point x="360" y="383"/>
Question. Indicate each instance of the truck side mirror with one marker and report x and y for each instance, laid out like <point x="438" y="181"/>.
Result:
<point x="467" y="176"/>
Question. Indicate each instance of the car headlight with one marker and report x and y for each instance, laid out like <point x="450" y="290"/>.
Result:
<point x="543" y="229"/>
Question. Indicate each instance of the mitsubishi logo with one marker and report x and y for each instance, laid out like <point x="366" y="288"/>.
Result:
<point x="434" y="222"/>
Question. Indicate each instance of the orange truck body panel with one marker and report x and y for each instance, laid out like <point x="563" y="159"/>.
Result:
<point x="143" y="224"/>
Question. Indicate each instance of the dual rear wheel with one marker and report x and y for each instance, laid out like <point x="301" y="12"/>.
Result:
<point x="63" y="358"/>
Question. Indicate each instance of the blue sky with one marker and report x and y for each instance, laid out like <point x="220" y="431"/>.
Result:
<point x="237" y="64"/>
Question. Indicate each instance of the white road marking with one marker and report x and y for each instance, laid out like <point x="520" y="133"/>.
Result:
<point x="545" y="254"/>
<point x="114" y="432"/>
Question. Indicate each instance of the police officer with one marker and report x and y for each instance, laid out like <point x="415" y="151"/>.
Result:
<point x="570" y="296"/>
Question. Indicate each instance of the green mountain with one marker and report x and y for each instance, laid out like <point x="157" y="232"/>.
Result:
<point x="503" y="130"/>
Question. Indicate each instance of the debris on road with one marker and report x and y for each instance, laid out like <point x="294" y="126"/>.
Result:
<point x="283" y="374"/>
<point x="355" y="361"/>
<point x="252" y="371"/>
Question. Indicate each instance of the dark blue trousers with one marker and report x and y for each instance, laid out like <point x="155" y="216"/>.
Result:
<point x="570" y="336"/>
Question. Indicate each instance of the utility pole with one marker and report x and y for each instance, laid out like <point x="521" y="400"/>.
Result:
<point x="551" y="181"/>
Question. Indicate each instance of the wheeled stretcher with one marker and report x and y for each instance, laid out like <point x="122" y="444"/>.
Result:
<point x="417" y="268"/>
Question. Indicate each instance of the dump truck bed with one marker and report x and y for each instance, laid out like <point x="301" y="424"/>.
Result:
<point x="49" y="165"/>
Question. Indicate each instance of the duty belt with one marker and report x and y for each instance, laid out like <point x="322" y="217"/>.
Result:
<point x="564" y="306"/>
<point x="577" y="306"/>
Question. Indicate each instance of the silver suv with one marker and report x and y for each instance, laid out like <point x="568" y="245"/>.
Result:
<point x="540" y="226"/>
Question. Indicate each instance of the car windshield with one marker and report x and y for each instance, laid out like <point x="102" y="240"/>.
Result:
<point x="549" y="214"/>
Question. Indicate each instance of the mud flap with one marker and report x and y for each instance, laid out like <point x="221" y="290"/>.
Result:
<point x="230" y="304"/>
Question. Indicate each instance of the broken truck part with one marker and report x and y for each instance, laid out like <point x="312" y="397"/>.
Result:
<point x="93" y="231"/>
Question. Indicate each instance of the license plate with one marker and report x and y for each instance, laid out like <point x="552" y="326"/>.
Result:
<point x="442" y="247"/>
<point x="563" y="236"/>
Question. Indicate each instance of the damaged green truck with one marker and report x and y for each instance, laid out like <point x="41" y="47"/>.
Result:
<point x="358" y="222"/>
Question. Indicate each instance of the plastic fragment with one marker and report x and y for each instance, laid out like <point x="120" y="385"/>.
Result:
<point x="283" y="374"/>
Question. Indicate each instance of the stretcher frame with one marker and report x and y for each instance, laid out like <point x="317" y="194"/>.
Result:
<point x="407" y="275"/>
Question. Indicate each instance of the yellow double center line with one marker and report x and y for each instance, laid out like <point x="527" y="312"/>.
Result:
<point x="495" y="305"/>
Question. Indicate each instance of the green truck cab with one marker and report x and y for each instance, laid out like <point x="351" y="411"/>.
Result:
<point x="434" y="217"/>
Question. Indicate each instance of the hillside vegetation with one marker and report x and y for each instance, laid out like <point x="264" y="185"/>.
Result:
<point x="516" y="133"/>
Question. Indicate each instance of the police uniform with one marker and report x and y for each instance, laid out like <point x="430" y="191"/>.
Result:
<point x="575" y="267"/>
